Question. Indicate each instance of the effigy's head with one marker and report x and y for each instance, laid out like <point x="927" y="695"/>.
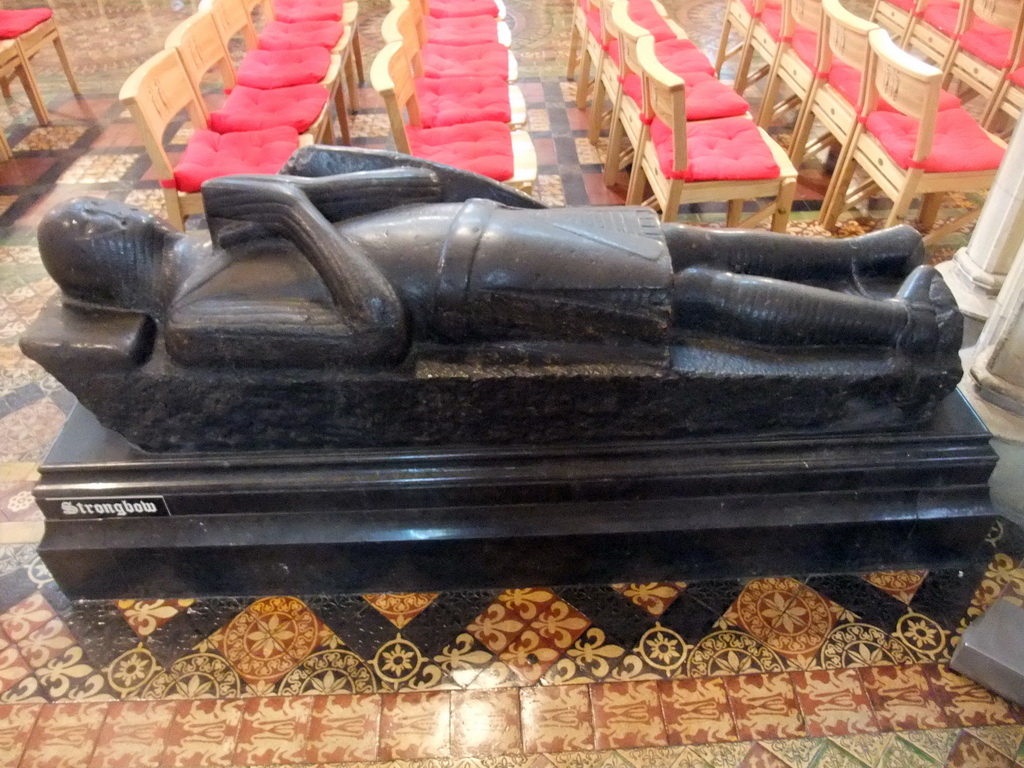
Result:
<point x="104" y="253"/>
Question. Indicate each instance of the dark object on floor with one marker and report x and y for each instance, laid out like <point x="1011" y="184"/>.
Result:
<point x="428" y="519"/>
<point x="398" y="306"/>
<point x="991" y="651"/>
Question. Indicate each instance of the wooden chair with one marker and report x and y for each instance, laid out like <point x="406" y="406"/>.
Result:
<point x="13" y="64"/>
<point x="797" y="60"/>
<point x="894" y="16"/>
<point x="934" y="26"/>
<point x="1008" y="100"/>
<point x="278" y="69"/>
<point x="983" y="54"/>
<point x="155" y="94"/>
<point x="729" y="159"/>
<point x="486" y="147"/>
<point x="460" y="9"/>
<point x="33" y="29"/>
<point x="459" y="30"/>
<point x="709" y="98"/>
<point x="764" y="37"/>
<point x="404" y="24"/>
<point x="305" y="107"/>
<point x="740" y="16"/>
<point x="914" y="148"/>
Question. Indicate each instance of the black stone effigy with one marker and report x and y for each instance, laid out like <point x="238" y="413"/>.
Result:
<point x="124" y="523"/>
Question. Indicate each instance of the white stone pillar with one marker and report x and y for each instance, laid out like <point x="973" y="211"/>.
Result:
<point x="977" y="272"/>
<point x="997" y="373"/>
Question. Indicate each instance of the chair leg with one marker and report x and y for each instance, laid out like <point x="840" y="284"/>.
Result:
<point x="35" y="97"/>
<point x="784" y="205"/>
<point x="744" y="66"/>
<point x="670" y="212"/>
<point x="771" y="89"/>
<point x="802" y="129"/>
<point x="174" y="213"/>
<point x="733" y="213"/>
<point x="902" y="202"/>
<point x="58" y="45"/>
<point x="931" y="204"/>
<point x="611" y="163"/>
<point x="351" y="81"/>
<point x="574" y="44"/>
<point x="5" y="148"/>
<point x="357" y="53"/>
<point x="835" y="196"/>
<point x="5" y="87"/>
<point x="723" y="46"/>
<point x="637" y="177"/>
<point x="583" y="81"/>
<point x="339" y="107"/>
<point x="597" y="108"/>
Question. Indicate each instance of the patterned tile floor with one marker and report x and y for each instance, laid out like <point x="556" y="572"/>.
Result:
<point x="794" y="671"/>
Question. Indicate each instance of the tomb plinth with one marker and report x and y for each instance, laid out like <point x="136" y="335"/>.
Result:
<point x="125" y="523"/>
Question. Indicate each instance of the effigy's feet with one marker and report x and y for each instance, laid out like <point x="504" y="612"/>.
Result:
<point x="934" y="323"/>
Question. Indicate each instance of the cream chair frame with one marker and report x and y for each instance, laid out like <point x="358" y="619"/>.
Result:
<point x="13" y="64"/>
<point x="788" y="68"/>
<point x="981" y="77"/>
<point x="31" y="43"/>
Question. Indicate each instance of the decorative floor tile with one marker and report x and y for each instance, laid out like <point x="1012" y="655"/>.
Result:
<point x="697" y="711"/>
<point x="964" y="701"/>
<point x="627" y="715"/>
<point x="414" y="726"/>
<point x="99" y="169"/>
<point x="400" y="609"/>
<point x="557" y="719"/>
<point x="764" y="707"/>
<point x="834" y="703"/>
<point x="53" y="137"/>
<point x="902" y="698"/>
<point x="653" y="598"/>
<point x="133" y="734"/>
<point x="270" y="638"/>
<point x="146" y="616"/>
<point x="64" y="735"/>
<point x="760" y="757"/>
<point x="273" y="730"/>
<point x="21" y="620"/>
<point x="1007" y="740"/>
<point x="343" y="729"/>
<point x="971" y="752"/>
<point x="16" y="721"/>
<point x="203" y="734"/>
<point x="496" y="627"/>
<point x="900" y="584"/>
<point x="48" y="642"/>
<point x="485" y="723"/>
<point x="549" y="633"/>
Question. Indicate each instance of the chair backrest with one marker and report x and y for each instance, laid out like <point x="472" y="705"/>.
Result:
<point x="910" y="85"/>
<point x="664" y="97"/>
<point x="232" y="19"/>
<point x="155" y="94"/>
<point x="390" y="76"/>
<point x="1008" y="14"/>
<point x="846" y="39"/>
<point x="628" y="32"/>
<point x="201" y="48"/>
<point x="403" y="25"/>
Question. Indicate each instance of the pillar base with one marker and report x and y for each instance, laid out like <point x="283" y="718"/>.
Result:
<point x="975" y="291"/>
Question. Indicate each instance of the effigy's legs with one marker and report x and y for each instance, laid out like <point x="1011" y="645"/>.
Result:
<point x="922" y="317"/>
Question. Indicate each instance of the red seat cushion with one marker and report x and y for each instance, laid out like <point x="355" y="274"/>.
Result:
<point x="279" y="69"/>
<point x="457" y="9"/>
<point x="14" y="23"/>
<point x="308" y="10"/>
<point x="1017" y="77"/>
<point x="462" y="100"/>
<point x="209" y="155"/>
<point x="988" y="42"/>
<point x="772" y="20"/>
<point x="906" y="5"/>
<point x="846" y="80"/>
<point x="717" y="150"/>
<point x="707" y="98"/>
<point x="683" y="57"/>
<point x="749" y="5"/>
<point x="253" y="109"/>
<point x="805" y="43"/>
<point x="470" y="30"/>
<point x="484" y="60"/>
<point x="484" y="147"/>
<point x="644" y="13"/>
<point x="282" y="36"/>
<point x="594" y="23"/>
<point x="942" y="15"/>
<point x="959" y="144"/>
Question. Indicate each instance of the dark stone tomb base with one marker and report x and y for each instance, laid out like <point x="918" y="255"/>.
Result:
<point x="123" y="523"/>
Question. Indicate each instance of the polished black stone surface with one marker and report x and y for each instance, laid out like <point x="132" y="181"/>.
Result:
<point x="392" y="520"/>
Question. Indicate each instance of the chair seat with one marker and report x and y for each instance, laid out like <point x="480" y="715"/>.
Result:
<point x="942" y="15"/>
<point x="988" y="42"/>
<point x="280" y="69"/>
<point x="484" y="147"/>
<point x="1017" y="77"/>
<point x="463" y="30"/>
<point x="805" y="44"/>
<point x="707" y="97"/>
<point x="594" y="23"/>
<point x="678" y="55"/>
<point x="457" y="9"/>
<point x="644" y="13"/>
<point x="484" y="60"/>
<point x="253" y="109"/>
<point x="292" y="11"/>
<point x="16" y="23"/>
<point x="959" y="144"/>
<point x="460" y="100"/>
<point x="749" y="5"/>
<point x="846" y="80"/>
<point x="906" y="5"/>
<point x="731" y="149"/>
<point x="210" y="154"/>
<point x="282" y="36"/>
